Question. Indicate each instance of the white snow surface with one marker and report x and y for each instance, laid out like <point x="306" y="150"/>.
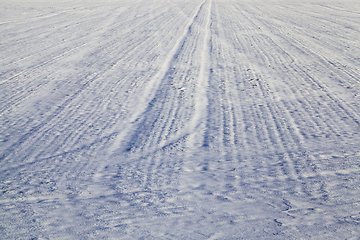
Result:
<point x="180" y="119"/>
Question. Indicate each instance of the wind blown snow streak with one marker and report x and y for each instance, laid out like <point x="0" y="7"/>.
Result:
<point x="209" y="119"/>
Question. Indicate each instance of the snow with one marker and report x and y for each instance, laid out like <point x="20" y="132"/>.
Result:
<point x="179" y="119"/>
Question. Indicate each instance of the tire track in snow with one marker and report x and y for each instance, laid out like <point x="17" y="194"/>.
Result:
<point x="149" y="93"/>
<point x="253" y="169"/>
<point x="192" y="130"/>
<point x="196" y="127"/>
<point x="165" y="123"/>
<point x="73" y="113"/>
<point x="68" y="166"/>
<point x="272" y="156"/>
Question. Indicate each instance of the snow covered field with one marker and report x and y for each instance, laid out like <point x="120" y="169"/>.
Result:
<point x="180" y="119"/>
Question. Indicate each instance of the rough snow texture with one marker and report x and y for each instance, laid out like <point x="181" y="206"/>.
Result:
<point x="156" y="119"/>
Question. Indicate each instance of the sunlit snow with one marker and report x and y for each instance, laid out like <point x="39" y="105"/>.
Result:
<point x="180" y="119"/>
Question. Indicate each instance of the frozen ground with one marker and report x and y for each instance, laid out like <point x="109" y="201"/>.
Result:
<point x="198" y="119"/>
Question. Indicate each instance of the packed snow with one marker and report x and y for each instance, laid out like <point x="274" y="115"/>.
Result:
<point x="180" y="119"/>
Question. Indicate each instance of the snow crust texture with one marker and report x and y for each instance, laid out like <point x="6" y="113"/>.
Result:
<point x="201" y="119"/>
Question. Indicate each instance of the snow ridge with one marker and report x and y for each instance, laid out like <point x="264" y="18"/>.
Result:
<point x="179" y="119"/>
<point x="149" y="93"/>
<point x="197" y="123"/>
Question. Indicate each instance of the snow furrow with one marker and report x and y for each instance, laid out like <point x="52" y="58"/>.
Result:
<point x="179" y="119"/>
<point x="200" y="99"/>
<point x="149" y="93"/>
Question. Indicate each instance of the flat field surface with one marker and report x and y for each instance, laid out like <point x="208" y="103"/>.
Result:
<point x="180" y="119"/>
